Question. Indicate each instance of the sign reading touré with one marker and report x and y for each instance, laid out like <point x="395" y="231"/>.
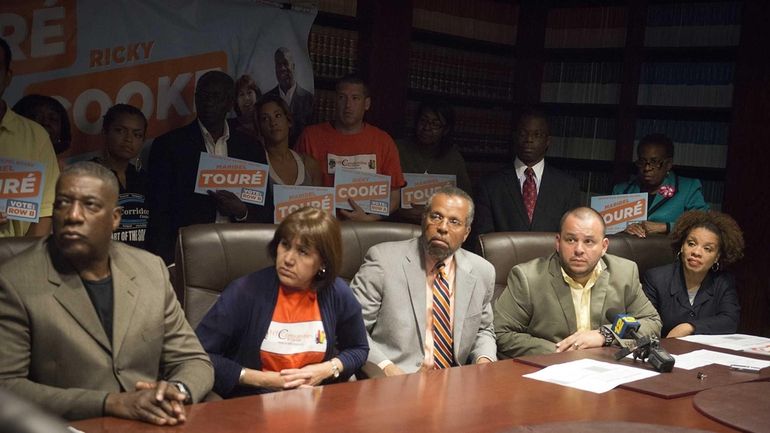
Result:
<point x="620" y="210"/>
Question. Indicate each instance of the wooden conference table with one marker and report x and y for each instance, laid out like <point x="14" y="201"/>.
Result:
<point x="479" y="398"/>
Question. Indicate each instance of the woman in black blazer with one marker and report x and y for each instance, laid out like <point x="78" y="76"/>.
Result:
<point x="694" y="295"/>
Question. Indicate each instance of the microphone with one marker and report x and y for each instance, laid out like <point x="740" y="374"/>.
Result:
<point x="623" y="325"/>
<point x="645" y="348"/>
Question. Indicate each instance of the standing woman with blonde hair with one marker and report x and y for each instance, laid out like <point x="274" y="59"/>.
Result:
<point x="695" y="295"/>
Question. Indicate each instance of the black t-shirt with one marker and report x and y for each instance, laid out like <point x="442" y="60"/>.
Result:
<point x="101" y="295"/>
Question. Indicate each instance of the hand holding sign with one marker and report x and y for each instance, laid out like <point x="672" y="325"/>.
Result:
<point x="229" y="204"/>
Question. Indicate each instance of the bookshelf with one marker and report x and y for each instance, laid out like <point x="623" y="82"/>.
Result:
<point x="463" y="53"/>
<point x="655" y="32"/>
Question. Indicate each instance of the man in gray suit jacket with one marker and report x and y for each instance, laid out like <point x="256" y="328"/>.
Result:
<point x="91" y="327"/>
<point x="395" y="287"/>
<point x="558" y="303"/>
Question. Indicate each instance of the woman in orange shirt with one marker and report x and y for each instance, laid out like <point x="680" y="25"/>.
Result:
<point x="289" y="325"/>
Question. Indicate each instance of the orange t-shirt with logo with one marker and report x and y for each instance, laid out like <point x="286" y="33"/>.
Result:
<point x="296" y="336"/>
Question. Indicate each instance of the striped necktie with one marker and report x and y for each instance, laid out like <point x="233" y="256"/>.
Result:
<point x="442" y="326"/>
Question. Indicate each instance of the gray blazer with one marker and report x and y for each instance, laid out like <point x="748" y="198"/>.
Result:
<point x="535" y="310"/>
<point x="390" y="286"/>
<point x="54" y="350"/>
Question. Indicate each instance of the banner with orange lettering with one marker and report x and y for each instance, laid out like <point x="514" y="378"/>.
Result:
<point x="92" y="54"/>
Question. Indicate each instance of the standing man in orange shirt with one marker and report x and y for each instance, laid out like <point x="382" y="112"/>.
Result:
<point x="349" y="142"/>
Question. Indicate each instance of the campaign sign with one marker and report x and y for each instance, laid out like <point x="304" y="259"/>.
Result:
<point x="620" y="210"/>
<point x="288" y="198"/>
<point x="420" y="186"/>
<point x="368" y="190"/>
<point x="245" y="179"/>
<point x="21" y="189"/>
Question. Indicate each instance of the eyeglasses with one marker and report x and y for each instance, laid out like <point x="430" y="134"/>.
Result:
<point x="434" y="124"/>
<point x="436" y="218"/>
<point x="653" y="163"/>
<point x="537" y="135"/>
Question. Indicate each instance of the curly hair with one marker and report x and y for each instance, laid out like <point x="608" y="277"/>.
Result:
<point x="724" y="226"/>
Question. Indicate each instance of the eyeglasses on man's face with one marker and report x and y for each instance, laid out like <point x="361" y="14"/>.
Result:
<point x="437" y="219"/>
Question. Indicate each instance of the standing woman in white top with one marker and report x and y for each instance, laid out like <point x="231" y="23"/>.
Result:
<point x="287" y="167"/>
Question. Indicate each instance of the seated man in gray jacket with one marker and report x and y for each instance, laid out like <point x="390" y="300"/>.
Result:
<point x="90" y="326"/>
<point x="426" y="302"/>
<point x="558" y="303"/>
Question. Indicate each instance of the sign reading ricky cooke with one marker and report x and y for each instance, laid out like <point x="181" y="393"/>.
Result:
<point x="369" y="190"/>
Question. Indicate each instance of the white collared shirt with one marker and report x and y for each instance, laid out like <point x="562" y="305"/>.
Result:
<point x="219" y="148"/>
<point x="521" y="167"/>
<point x="289" y="93"/>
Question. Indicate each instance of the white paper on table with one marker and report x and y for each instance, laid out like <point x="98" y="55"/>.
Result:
<point x="729" y="341"/>
<point x="699" y="358"/>
<point x="590" y="375"/>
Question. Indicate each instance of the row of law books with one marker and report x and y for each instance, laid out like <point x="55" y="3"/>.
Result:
<point x="485" y="20"/>
<point x="477" y="131"/>
<point x="340" y="7"/>
<point x="687" y="84"/>
<point x="333" y="52"/>
<point x="592" y="183"/>
<point x="714" y="193"/>
<point x="323" y="105"/>
<point x="693" y="24"/>
<point x="696" y="143"/>
<point x="582" y="137"/>
<point x="581" y="82"/>
<point x="586" y="27"/>
<point x="457" y="72"/>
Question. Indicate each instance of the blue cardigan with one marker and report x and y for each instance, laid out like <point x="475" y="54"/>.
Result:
<point x="688" y="196"/>
<point x="715" y="310"/>
<point x="233" y="330"/>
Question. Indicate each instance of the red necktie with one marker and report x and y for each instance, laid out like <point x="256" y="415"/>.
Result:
<point x="529" y="191"/>
<point x="442" y="329"/>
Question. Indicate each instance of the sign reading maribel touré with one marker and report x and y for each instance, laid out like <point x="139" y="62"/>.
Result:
<point x="21" y="189"/>
<point x="245" y="179"/>
<point x="620" y="210"/>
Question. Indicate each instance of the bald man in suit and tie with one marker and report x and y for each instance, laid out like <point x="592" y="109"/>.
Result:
<point x="426" y="302"/>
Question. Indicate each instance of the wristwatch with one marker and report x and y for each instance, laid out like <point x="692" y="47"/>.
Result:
<point x="183" y="389"/>
<point x="607" y="334"/>
<point x="335" y="370"/>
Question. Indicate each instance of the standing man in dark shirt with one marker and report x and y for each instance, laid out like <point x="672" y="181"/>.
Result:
<point x="174" y="166"/>
<point x="299" y="100"/>
<point x="531" y="195"/>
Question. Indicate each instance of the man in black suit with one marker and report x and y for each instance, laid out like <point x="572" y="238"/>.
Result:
<point x="531" y="195"/>
<point x="299" y="100"/>
<point x="174" y="165"/>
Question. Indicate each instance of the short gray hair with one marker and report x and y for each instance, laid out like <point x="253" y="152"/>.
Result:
<point x="92" y="169"/>
<point x="453" y="191"/>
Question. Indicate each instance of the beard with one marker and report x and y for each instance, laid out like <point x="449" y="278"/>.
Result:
<point x="437" y="252"/>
